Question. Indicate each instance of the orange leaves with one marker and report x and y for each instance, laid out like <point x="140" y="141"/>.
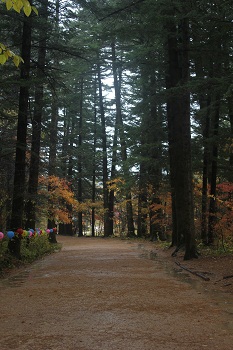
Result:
<point x="58" y="201"/>
<point x="224" y="208"/>
<point x="58" y="189"/>
<point x="58" y="197"/>
<point x="226" y="190"/>
<point x="161" y="211"/>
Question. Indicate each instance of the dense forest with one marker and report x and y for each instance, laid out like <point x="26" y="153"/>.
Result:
<point x="116" y="118"/>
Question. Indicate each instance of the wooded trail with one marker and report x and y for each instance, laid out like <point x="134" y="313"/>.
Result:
<point x="105" y="294"/>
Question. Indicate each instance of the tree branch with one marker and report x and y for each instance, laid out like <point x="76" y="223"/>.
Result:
<point x="121" y="9"/>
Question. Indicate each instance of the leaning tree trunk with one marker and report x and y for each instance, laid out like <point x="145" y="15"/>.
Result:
<point x="21" y="144"/>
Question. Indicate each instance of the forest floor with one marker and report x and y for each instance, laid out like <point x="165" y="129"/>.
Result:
<point x="108" y="294"/>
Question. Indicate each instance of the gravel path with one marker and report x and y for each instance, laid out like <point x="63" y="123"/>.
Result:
<point x="105" y="294"/>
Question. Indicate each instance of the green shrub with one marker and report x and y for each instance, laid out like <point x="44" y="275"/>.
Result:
<point x="31" y="249"/>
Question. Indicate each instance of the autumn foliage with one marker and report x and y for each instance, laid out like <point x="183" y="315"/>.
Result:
<point x="223" y="214"/>
<point x="225" y="210"/>
<point x="56" y="199"/>
<point x="16" y="5"/>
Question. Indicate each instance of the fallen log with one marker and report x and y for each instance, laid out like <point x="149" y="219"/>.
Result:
<point x="193" y="272"/>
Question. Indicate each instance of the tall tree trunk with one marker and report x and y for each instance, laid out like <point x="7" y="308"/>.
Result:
<point x="36" y="125"/>
<point x="117" y="90"/>
<point x="213" y="176"/>
<point x="69" y="226"/>
<point x="142" y="219"/>
<point x="52" y="152"/>
<point x="113" y="176"/>
<point x="154" y="166"/>
<point x="80" y="160"/>
<point x="178" y="112"/>
<point x="173" y="107"/>
<point x="230" y="109"/>
<point x="53" y="131"/>
<point x="105" y="160"/>
<point x="142" y="202"/>
<point x="94" y="165"/>
<point x="67" y="166"/>
<point x="204" y="103"/>
<point x="21" y="144"/>
<point x="215" y="72"/>
<point x="65" y="140"/>
<point x="205" y="173"/>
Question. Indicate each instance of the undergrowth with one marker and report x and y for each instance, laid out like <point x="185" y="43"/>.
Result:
<point x="31" y="250"/>
<point x="217" y="249"/>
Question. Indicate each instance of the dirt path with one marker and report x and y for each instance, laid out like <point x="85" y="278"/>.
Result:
<point x="104" y="294"/>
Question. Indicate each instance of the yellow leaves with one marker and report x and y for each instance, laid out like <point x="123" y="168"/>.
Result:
<point x="59" y="197"/>
<point x="6" y="54"/>
<point x="18" y="5"/>
<point x="2" y="59"/>
<point x="17" y="60"/>
<point x="115" y="184"/>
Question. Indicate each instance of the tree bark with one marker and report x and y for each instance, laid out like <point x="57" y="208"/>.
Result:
<point x="204" y="103"/>
<point x="53" y="131"/>
<point x="113" y="176"/>
<point x="94" y="165"/>
<point x="230" y="112"/>
<point x="119" y="121"/>
<point x="178" y="109"/>
<point x="142" y="202"/>
<point x="52" y="153"/>
<point x="80" y="160"/>
<point x="36" y="125"/>
<point x="213" y="176"/>
<point x="21" y="143"/>
<point x="104" y="157"/>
